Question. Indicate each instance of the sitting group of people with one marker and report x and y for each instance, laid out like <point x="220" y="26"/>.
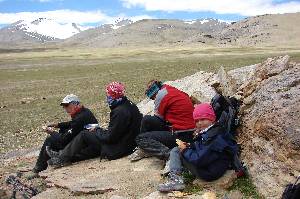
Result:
<point x="187" y="136"/>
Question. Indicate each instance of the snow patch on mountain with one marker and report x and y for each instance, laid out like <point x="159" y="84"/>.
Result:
<point x="121" y="23"/>
<point x="203" y="21"/>
<point x="50" y="28"/>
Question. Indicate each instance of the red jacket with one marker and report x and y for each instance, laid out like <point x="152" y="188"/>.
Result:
<point x="175" y="107"/>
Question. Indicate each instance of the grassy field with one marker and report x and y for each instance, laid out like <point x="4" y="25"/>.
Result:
<point x="32" y="83"/>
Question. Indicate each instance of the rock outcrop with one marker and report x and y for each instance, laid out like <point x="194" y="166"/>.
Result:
<point x="270" y="131"/>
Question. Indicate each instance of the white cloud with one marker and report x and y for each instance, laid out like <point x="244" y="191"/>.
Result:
<point x="44" y="1"/>
<point x="242" y="7"/>
<point x="61" y="16"/>
<point x="66" y="16"/>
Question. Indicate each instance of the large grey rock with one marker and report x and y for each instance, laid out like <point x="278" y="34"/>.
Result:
<point x="270" y="132"/>
<point x="107" y="178"/>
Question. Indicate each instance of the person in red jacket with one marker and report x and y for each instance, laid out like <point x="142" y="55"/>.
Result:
<point x="173" y="118"/>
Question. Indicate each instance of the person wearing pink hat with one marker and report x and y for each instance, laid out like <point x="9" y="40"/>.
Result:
<point x="115" y="142"/>
<point x="208" y="157"/>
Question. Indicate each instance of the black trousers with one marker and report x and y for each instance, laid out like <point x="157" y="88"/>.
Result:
<point x="156" y="139"/>
<point x="153" y="123"/>
<point x="56" y="142"/>
<point x="85" y="145"/>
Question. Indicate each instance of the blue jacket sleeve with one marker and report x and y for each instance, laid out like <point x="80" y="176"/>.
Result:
<point x="199" y="154"/>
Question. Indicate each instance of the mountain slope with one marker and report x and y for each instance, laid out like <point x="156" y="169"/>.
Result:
<point x="146" y="32"/>
<point x="264" y="30"/>
<point x="84" y="36"/>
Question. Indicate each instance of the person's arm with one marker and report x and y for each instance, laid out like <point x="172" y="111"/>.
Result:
<point x="117" y="128"/>
<point x="199" y="155"/>
<point x="160" y="103"/>
<point x="64" y="125"/>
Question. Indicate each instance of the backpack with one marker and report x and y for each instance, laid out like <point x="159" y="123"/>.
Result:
<point x="17" y="186"/>
<point x="292" y="191"/>
<point x="226" y="110"/>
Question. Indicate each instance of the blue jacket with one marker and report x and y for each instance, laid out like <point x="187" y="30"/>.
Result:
<point x="211" y="153"/>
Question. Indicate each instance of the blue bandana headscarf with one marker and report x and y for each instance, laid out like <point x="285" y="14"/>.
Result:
<point x="112" y="102"/>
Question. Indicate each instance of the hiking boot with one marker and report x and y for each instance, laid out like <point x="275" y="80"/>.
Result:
<point x="57" y="162"/>
<point x="138" y="154"/>
<point x="31" y="174"/>
<point x="51" y="153"/>
<point x="166" y="170"/>
<point x="175" y="183"/>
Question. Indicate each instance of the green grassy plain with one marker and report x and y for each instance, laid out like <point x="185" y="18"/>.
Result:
<point x="33" y="82"/>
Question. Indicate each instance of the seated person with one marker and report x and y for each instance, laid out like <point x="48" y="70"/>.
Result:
<point x="208" y="157"/>
<point x="80" y="116"/>
<point x="115" y="142"/>
<point x="173" y="112"/>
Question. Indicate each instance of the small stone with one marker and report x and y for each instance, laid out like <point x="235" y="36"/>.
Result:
<point x="224" y="182"/>
<point x="117" y="197"/>
<point x="156" y="195"/>
<point x="234" y="195"/>
<point x="209" y="195"/>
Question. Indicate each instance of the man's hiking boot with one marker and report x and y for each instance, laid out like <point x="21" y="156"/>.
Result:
<point x="51" y="153"/>
<point x="175" y="183"/>
<point x="31" y="174"/>
<point x="57" y="162"/>
<point x="138" y="154"/>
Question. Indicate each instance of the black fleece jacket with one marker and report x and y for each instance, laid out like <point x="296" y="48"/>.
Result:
<point x="124" y="125"/>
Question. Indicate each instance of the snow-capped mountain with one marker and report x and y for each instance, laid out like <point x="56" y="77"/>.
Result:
<point x="121" y="23"/>
<point x="49" y="28"/>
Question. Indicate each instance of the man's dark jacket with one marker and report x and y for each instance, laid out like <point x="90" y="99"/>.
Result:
<point x="124" y="125"/>
<point x="72" y="128"/>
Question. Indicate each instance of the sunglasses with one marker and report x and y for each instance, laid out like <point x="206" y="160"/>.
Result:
<point x="152" y="90"/>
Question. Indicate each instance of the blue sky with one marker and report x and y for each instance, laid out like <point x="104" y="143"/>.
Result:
<point x="94" y="12"/>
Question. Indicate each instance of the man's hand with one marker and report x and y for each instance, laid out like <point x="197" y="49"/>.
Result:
<point x="48" y="129"/>
<point x="181" y="145"/>
<point x="93" y="129"/>
<point x="54" y="125"/>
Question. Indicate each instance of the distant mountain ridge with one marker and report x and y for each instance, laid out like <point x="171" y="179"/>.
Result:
<point x="263" y="30"/>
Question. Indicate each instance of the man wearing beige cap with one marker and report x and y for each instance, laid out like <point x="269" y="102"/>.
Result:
<point x="57" y="140"/>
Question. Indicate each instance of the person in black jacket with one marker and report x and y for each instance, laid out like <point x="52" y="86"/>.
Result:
<point x="80" y="115"/>
<point x="115" y="142"/>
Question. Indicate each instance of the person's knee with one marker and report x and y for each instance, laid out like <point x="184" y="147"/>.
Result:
<point x="147" y="119"/>
<point x="84" y="135"/>
<point x="49" y="140"/>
